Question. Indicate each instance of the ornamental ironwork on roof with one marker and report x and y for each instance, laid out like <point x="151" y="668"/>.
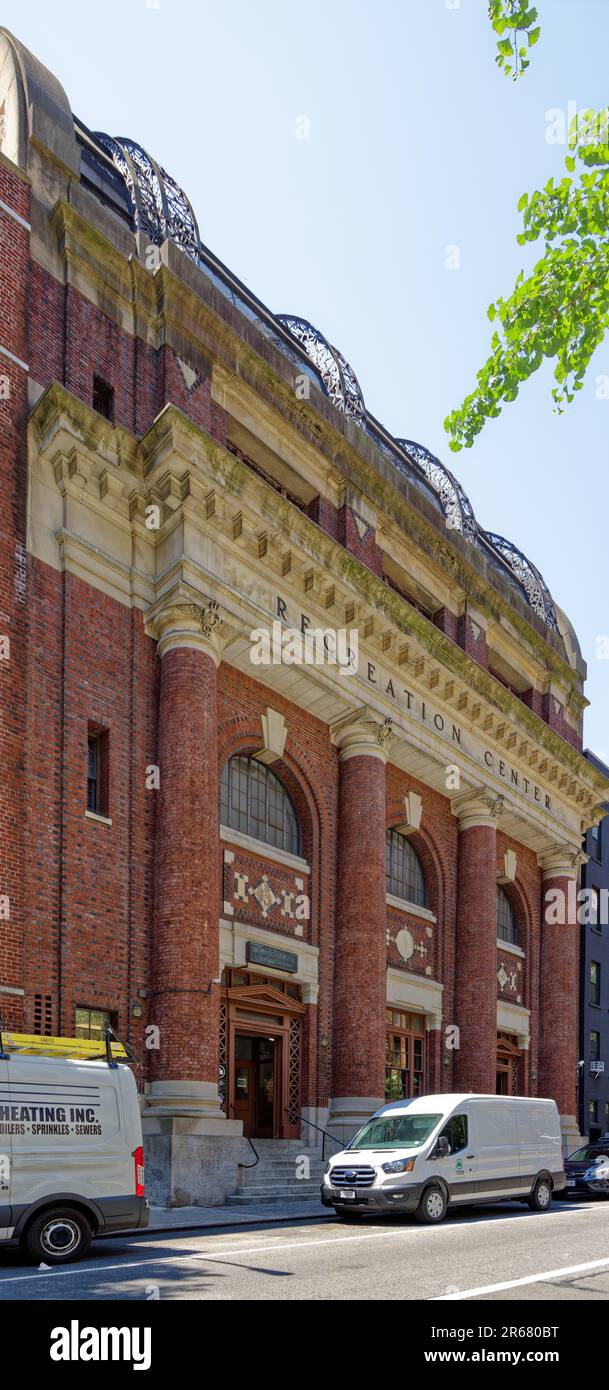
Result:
<point x="336" y="373"/>
<point x="160" y="207"/>
<point x="161" y="210"/>
<point x="454" y="501"/>
<point x="535" y="587"/>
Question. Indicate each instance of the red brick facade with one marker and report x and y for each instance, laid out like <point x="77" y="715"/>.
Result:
<point x="141" y="911"/>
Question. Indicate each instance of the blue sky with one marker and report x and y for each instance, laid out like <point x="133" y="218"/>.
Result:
<point x="417" y="143"/>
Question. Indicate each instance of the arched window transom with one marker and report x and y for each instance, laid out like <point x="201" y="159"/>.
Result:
<point x="255" y="802"/>
<point x="405" y="877"/>
<point x="506" y="919"/>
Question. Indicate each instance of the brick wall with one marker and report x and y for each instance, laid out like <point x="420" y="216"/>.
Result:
<point x="72" y="341"/>
<point x="14" y="283"/>
<point x="88" y="884"/>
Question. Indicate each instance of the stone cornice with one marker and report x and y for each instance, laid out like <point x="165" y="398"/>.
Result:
<point x="179" y="465"/>
<point x="60" y="421"/>
<point x="180" y="305"/>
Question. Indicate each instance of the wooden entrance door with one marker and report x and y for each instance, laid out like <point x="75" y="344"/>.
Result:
<point x="257" y="1061"/>
<point x="260" y="1059"/>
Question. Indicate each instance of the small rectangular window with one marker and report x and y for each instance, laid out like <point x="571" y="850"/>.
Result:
<point x="103" y="397"/>
<point x="595" y="982"/>
<point x="595" y="1046"/>
<point x="91" y="1023"/>
<point x="97" y="771"/>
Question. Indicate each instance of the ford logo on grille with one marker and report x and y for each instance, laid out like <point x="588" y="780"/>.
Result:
<point x="350" y="1175"/>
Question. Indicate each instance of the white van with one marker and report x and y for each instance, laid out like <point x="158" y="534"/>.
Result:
<point x="427" y="1154"/>
<point x="71" y="1157"/>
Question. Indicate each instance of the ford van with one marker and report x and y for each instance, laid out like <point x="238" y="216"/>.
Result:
<point x="435" y="1152"/>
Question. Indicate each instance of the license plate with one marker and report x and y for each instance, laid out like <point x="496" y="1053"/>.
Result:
<point x="347" y="1194"/>
<point x="570" y="1182"/>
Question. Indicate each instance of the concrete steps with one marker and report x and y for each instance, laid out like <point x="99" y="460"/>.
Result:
<point x="274" y="1178"/>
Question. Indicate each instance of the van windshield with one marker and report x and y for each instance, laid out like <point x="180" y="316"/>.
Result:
<point x="395" y="1132"/>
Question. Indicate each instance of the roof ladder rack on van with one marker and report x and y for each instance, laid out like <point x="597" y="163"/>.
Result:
<point x="130" y="1056"/>
<point x="109" y="1048"/>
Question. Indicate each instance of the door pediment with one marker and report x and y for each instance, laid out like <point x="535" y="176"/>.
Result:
<point x="265" y="998"/>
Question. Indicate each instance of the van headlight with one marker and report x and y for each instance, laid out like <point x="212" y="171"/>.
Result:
<point x="327" y="1167"/>
<point x="399" y="1165"/>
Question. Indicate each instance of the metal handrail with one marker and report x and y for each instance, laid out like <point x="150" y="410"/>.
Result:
<point x="254" y="1150"/>
<point x="325" y="1132"/>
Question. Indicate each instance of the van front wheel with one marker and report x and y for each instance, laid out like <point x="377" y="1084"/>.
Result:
<point x="432" y="1206"/>
<point x="541" y="1196"/>
<point x="58" y="1236"/>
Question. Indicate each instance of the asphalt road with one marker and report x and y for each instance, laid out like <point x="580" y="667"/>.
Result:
<point x="495" y="1253"/>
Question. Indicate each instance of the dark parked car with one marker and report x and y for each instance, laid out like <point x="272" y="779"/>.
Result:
<point x="587" y="1170"/>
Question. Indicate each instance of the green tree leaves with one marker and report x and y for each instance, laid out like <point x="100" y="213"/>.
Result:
<point x="561" y="309"/>
<point x="517" y="32"/>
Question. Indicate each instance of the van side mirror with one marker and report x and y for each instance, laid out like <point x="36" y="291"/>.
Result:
<point x="441" y="1148"/>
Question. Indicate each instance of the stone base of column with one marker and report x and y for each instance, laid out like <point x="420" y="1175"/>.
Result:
<point x="198" y="1100"/>
<point x="571" y="1137"/>
<point x="349" y="1113"/>
<point x="318" y="1115"/>
<point x="192" y="1162"/>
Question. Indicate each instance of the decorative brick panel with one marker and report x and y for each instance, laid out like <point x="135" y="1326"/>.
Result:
<point x="410" y="943"/>
<point x="265" y="894"/>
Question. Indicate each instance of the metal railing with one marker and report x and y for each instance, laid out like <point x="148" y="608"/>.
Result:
<point x="254" y="1150"/>
<point x="293" y="1117"/>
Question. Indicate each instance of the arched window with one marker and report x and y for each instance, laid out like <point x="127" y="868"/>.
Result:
<point x="254" y="801"/>
<point x="405" y="877"/>
<point x="506" y="920"/>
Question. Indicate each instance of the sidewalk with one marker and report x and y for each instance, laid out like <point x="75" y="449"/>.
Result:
<point x="164" y="1219"/>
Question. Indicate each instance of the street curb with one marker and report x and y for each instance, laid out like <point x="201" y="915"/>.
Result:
<point x="215" y="1225"/>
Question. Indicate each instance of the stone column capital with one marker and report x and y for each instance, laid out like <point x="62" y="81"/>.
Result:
<point x="191" y="621"/>
<point x="363" y="734"/>
<point x="479" y="807"/>
<point x="562" y="861"/>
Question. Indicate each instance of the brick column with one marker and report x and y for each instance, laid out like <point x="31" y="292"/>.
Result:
<point x="184" y="1001"/>
<point x="559" y="986"/>
<point x="360" y="960"/>
<point x="475" y="1067"/>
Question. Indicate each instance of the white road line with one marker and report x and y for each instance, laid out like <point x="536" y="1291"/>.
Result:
<point x="519" y="1283"/>
<point x="233" y="1252"/>
<point x="236" y="1251"/>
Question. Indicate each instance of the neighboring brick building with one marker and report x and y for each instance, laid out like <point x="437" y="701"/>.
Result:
<point x="294" y="889"/>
